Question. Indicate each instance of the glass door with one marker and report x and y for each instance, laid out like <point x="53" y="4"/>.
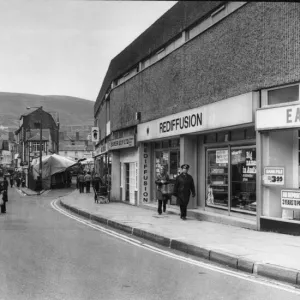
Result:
<point x="243" y="179"/>
<point x="217" y="178"/>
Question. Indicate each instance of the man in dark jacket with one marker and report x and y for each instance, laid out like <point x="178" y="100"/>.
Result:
<point x="183" y="187"/>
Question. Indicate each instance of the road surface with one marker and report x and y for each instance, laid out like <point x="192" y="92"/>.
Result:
<point x="45" y="254"/>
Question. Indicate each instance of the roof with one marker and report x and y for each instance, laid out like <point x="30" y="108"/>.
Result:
<point x="178" y="18"/>
<point x="36" y="137"/>
<point x="68" y="147"/>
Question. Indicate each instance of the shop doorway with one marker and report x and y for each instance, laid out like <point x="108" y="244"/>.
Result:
<point x="127" y="181"/>
<point x="130" y="179"/>
<point x="231" y="179"/>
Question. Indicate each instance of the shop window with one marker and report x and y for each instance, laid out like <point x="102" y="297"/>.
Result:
<point x="237" y="135"/>
<point x="222" y="137"/>
<point x="175" y="143"/>
<point x="166" y="144"/>
<point x="283" y="95"/>
<point x="243" y="179"/>
<point x="157" y="145"/>
<point x="250" y="133"/>
<point x="217" y="178"/>
<point x="210" y="138"/>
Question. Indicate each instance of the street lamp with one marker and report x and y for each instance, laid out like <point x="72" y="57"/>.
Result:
<point x="41" y="141"/>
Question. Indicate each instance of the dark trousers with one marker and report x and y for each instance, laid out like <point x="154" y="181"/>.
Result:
<point x="162" y="204"/>
<point x="183" y="208"/>
<point x="3" y="208"/>
<point x="11" y="183"/>
<point x="81" y="187"/>
<point x="88" y="185"/>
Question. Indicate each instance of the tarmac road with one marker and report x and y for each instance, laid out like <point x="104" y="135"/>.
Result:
<point x="47" y="255"/>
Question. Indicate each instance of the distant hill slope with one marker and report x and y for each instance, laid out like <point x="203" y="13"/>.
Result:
<point x="72" y="111"/>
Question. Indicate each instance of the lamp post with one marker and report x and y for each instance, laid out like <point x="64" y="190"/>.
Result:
<point x="41" y="141"/>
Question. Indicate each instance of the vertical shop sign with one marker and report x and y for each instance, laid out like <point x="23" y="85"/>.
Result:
<point x="146" y="173"/>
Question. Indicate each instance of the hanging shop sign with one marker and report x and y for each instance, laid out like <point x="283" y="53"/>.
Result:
<point x="282" y="117"/>
<point x="121" y="143"/>
<point x="273" y="176"/>
<point x="146" y="173"/>
<point x="206" y="117"/>
<point x="290" y="199"/>
<point x="100" y="150"/>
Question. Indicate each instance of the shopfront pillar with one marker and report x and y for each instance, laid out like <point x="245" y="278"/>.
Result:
<point x="188" y="155"/>
<point x="115" y="176"/>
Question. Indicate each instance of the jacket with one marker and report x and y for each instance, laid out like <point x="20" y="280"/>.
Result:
<point x="183" y="187"/>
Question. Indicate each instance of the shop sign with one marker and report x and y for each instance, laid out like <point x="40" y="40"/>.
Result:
<point x="273" y="176"/>
<point x="146" y="173"/>
<point x="222" y="156"/>
<point x="100" y="150"/>
<point x="282" y="117"/>
<point x="206" y="117"/>
<point x="290" y="199"/>
<point x="125" y="142"/>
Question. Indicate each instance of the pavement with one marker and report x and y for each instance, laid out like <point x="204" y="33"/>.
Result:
<point x="268" y="254"/>
<point x="29" y="192"/>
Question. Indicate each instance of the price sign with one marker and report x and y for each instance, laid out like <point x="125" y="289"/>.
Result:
<point x="273" y="176"/>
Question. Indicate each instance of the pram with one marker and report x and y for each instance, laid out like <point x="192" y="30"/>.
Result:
<point x="101" y="195"/>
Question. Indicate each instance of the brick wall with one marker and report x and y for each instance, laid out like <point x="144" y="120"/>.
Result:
<point x="256" y="47"/>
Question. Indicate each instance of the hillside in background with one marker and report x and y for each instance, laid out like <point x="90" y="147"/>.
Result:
<point x="72" y="111"/>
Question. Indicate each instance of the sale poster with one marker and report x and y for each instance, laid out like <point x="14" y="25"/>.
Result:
<point x="273" y="176"/>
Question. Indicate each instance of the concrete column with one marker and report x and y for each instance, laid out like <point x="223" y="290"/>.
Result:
<point x="115" y="176"/>
<point x="188" y="155"/>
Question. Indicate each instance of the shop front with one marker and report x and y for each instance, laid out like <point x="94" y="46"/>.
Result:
<point x="278" y="125"/>
<point x="102" y="164"/>
<point x="125" y="177"/>
<point x="220" y="149"/>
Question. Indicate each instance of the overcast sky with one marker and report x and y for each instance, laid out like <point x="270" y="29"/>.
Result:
<point x="63" y="47"/>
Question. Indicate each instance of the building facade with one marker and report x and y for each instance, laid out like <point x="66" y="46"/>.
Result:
<point x="30" y="143"/>
<point x="214" y="85"/>
<point x="75" y="144"/>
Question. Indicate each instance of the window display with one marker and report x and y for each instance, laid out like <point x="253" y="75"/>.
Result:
<point x="243" y="179"/>
<point x="217" y="178"/>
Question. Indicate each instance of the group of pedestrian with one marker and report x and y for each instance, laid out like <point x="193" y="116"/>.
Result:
<point x="84" y="180"/>
<point x="183" y="188"/>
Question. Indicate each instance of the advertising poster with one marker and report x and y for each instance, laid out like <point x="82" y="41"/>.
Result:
<point x="222" y="156"/>
<point x="273" y="176"/>
<point x="290" y="199"/>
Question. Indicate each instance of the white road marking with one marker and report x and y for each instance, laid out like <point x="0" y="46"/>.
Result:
<point x="244" y="276"/>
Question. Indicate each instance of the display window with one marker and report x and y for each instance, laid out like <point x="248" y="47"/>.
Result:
<point x="243" y="179"/>
<point x="167" y="154"/>
<point x="231" y="178"/>
<point x="217" y="178"/>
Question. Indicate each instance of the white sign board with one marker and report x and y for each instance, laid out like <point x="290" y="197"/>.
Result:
<point x="206" y="117"/>
<point x="281" y="117"/>
<point x="290" y="199"/>
<point x="273" y="176"/>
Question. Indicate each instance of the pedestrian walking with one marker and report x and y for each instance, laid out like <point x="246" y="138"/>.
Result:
<point x="5" y="182"/>
<point x="183" y="187"/>
<point x="18" y="182"/>
<point x="81" y="182"/>
<point x="11" y="181"/>
<point x="162" y="180"/>
<point x="97" y="182"/>
<point x="87" y="180"/>
<point x="4" y="200"/>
